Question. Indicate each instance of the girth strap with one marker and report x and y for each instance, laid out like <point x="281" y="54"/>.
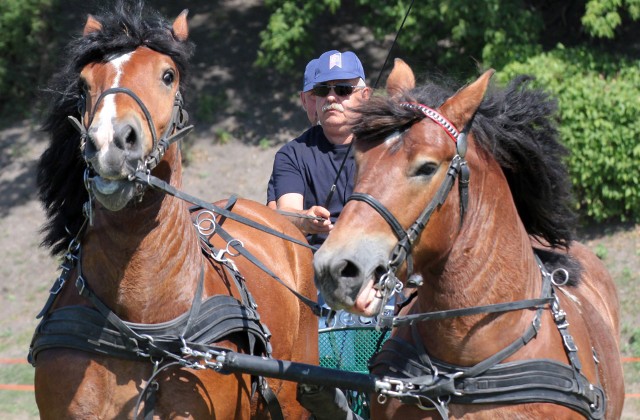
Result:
<point x="84" y="328"/>
<point x="517" y="382"/>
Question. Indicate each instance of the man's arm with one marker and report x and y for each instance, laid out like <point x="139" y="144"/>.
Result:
<point x="293" y="202"/>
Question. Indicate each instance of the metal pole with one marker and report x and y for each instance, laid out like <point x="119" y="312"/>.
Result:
<point x="297" y="372"/>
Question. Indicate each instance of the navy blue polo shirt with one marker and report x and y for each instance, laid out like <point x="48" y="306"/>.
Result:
<point x="308" y="165"/>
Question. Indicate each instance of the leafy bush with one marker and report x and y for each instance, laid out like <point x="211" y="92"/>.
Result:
<point x="21" y="28"/>
<point x="599" y="106"/>
<point x="458" y="34"/>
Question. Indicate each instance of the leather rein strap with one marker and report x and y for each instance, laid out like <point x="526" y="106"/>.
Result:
<point x="169" y="189"/>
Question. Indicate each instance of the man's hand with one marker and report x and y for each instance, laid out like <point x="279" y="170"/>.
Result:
<point x="318" y="222"/>
<point x="313" y="220"/>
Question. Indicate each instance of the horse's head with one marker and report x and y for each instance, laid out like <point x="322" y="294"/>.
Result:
<point x="113" y="98"/>
<point x="130" y="104"/>
<point x="410" y="159"/>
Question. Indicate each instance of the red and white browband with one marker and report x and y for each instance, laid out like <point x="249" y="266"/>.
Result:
<point x="436" y="117"/>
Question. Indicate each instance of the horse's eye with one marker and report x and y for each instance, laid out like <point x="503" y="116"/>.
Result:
<point x="168" y="77"/>
<point x="426" y="169"/>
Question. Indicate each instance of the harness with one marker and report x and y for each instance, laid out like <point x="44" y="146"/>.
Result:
<point x="415" y="378"/>
<point x="434" y="384"/>
<point x="185" y="341"/>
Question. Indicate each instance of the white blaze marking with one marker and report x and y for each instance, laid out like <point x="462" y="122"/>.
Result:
<point x="104" y="125"/>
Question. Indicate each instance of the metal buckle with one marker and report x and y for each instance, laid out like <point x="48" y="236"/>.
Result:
<point x="81" y="286"/>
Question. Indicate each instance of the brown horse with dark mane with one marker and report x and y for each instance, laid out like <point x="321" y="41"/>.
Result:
<point x="151" y="290"/>
<point x="462" y="203"/>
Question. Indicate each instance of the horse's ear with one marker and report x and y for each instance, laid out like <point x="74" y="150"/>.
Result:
<point x="91" y="26"/>
<point x="401" y="78"/>
<point x="180" y="27"/>
<point x="460" y="107"/>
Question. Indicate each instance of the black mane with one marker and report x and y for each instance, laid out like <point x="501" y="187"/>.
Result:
<point x="61" y="167"/>
<point x="517" y="125"/>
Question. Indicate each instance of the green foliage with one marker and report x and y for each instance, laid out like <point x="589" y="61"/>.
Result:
<point x="22" y="27"/>
<point x="264" y="143"/>
<point x="602" y="17"/>
<point x="601" y="252"/>
<point x="489" y="32"/>
<point x="287" y="35"/>
<point x="209" y="105"/>
<point x="599" y="106"/>
<point x="223" y="136"/>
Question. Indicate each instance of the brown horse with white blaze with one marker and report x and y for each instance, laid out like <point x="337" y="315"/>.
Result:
<point x="131" y="332"/>
<point x="510" y="317"/>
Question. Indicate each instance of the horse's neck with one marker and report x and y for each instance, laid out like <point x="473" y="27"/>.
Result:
<point x="144" y="258"/>
<point x="490" y="262"/>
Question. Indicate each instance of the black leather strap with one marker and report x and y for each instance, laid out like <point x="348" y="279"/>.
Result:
<point x="169" y="189"/>
<point x="270" y="399"/>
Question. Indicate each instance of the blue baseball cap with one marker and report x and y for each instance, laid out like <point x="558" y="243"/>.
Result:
<point x="309" y="74"/>
<point x="334" y="65"/>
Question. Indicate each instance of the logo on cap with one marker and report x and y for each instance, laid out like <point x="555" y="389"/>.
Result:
<point x="335" y="60"/>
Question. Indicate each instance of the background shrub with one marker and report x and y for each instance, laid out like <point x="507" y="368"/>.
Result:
<point x="599" y="105"/>
<point x="22" y="28"/>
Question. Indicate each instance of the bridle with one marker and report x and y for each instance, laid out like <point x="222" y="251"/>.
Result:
<point x="389" y="283"/>
<point x="176" y="129"/>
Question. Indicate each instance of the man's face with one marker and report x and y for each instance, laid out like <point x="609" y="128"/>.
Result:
<point x="334" y="109"/>
<point x="309" y="104"/>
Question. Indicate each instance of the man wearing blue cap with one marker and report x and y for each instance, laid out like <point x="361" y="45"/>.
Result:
<point x="307" y="175"/>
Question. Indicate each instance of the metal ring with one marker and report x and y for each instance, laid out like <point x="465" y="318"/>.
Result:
<point x="206" y="231"/>
<point x="232" y="254"/>
<point x="562" y="271"/>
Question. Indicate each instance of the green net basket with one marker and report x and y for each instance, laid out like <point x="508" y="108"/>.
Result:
<point x="349" y="349"/>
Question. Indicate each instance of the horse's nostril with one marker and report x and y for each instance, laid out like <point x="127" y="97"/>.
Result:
<point x="350" y="270"/>
<point x="131" y="138"/>
<point x="126" y="137"/>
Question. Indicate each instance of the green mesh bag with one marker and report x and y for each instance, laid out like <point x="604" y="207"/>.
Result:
<point x="350" y="349"/>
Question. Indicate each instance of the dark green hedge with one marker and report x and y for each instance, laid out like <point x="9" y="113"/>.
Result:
<point x="599" y="106"/>
<point x="22" y="27"/>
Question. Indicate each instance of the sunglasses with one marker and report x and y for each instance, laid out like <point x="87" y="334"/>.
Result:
<point x="340" y="90"/>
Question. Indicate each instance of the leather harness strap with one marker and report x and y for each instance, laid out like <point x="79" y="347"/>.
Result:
<point x="491" y="381"/>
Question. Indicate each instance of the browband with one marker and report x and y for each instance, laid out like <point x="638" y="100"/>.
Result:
<point x="436" y="117"/>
